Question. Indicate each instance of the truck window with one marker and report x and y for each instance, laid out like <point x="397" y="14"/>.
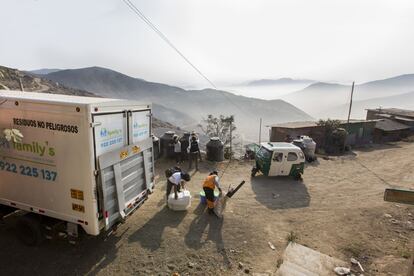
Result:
<point x="111" y="134"/>
<point x="278" y="157"/>
<point x="140" y="126"/>
<point x="264" y="153"/>
<point x="292" y="156"/>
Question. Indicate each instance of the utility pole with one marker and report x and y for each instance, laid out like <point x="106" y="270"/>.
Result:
<point x="231" y="137"/>
<point x="350" y="103"/>
<point x="21" y="84"/>
<point x="349" y="112"/>
<point x="260" y="131"/>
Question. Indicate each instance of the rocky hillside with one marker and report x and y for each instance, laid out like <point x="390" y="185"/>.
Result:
<point x="12" y="79"/>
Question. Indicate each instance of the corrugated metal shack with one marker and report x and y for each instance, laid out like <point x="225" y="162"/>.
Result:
<point x="402" y="116"/>
<point x="393" y="125"/>
<point x="360" y="132"/>
<point x="387" y="130"/>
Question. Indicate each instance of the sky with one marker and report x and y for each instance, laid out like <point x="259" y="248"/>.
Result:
<point x="230" y="41"/>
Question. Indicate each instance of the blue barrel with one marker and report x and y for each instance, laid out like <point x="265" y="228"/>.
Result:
<point x="203" y="199"/>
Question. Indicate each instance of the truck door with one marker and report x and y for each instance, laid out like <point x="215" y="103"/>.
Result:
<point x="139" y="122"/>
<point x="110" y="132"/>
<point x="276" y="165"/>
<point x="291" y="158"/>
<point x="125" y="164"/>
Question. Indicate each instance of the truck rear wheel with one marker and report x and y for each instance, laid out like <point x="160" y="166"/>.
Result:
<point x="254" y="171"/>
<point x="29" y="230"/>
<point x="298" y="177"/>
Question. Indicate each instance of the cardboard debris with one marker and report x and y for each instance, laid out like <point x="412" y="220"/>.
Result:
<point x="299" y="260"/>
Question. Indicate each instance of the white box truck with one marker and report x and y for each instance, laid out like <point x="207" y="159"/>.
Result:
<point x="83" y="161"/>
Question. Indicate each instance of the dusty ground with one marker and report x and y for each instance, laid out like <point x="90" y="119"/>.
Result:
<point x="338" y="209"/>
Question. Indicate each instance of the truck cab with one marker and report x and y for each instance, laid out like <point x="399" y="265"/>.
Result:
<point x="273" y="159"/>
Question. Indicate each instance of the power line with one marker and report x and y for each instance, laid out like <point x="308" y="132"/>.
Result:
<point x="163" y="37"/>
<point x="166" y="40"/>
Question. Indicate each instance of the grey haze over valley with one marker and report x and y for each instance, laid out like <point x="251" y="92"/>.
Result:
<point x="300" y="100"/>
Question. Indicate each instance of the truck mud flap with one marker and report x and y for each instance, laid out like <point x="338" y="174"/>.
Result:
<point x="125" y="176"/>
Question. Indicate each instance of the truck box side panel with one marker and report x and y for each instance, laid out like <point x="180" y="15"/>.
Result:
<point x="50" y="171"/>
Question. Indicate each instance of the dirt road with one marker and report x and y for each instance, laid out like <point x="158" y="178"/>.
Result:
<point x="338" y="209"/>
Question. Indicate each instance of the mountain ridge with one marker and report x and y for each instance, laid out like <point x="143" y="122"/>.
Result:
<point x="404" y="101"/>
<point x="279" y="81"/>
<point x="317" y="99"/>
<point x="195" y="103"/>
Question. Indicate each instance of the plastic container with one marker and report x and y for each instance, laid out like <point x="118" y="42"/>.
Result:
<point x="215" y="150"/>
<point x="182" y="203"/>
<point x="203" y="199"/>
<point x="167" y="148"/>
<point x="185" y="141"/>
<point x="308" y="147"/>
<point x="156" y="147"/>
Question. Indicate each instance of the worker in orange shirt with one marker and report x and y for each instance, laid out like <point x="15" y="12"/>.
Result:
<point x="210" y="183"/>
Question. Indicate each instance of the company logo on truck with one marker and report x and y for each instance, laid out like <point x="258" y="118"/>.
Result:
<point x="38" y="148"/>
<point x="110" y="133"/>
<point x="140" y="130"/>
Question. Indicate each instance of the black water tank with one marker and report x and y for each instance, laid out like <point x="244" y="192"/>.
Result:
<point x="156" y="146"/>
<point x="185" y="141"/>
<point x="167" y="148"/>
<point x="215" y="150"/>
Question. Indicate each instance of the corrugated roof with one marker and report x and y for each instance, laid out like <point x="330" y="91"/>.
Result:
<point x="390" y="116"/>
<point x="395" y="111"/>
<point x="295" y="124"/>
<point x="304" y="124"/>
<point x="390" y="125"/>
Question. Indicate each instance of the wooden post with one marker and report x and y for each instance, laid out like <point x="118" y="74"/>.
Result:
<point x="349" y="113"/>
<point x="411" y="269"/>
<point x="231" y="137"/>
<point x="21" y="84"/>
<point x="405" y="197"/>
<point x="350" y="103"/>
<point x="260" y="131"/>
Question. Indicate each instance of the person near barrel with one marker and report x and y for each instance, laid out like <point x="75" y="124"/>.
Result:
<point x="209" y="185"/>
<point x="193" y="134"/>
<point x="177" y="149"/>
<point x="194" y="151"/>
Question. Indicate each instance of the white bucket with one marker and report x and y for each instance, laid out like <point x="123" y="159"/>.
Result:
<point x="182" y="203"/>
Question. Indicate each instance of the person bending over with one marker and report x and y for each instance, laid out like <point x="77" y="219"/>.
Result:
<point x="175" y="180"/>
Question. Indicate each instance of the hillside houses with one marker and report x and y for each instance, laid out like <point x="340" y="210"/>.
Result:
<point x="381" y="126"/>
<point x="359" y="131"/>
<point x="393" y="123"/>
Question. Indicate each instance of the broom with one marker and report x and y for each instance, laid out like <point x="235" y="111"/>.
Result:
<point x="222" y="200"/>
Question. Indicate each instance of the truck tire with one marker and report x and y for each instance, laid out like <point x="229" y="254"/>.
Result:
<point x="298" y="177"/>
<point x="254" y="171"/>
<point x="29" y="230"/>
